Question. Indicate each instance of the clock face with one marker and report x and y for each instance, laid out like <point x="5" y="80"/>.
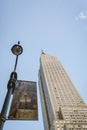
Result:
<point x="17" y="49"/>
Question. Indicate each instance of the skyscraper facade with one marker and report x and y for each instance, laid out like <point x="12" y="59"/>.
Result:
<point x="62" y="106"/>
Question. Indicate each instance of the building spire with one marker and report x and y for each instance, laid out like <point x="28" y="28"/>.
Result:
<point x="42" y="52"/>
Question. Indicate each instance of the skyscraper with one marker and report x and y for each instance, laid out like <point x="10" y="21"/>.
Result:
<point x="62" y="106"/>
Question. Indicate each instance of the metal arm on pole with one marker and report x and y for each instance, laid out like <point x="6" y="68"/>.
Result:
<point x="16" y="63"/>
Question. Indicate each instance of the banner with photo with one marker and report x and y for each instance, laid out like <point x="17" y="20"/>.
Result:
<point x="24" y="103"/>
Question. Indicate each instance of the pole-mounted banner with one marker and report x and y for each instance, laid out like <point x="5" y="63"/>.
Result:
<point x="24" y="103"/>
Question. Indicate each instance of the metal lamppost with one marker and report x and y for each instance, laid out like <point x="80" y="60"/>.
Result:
<point x="16" y="50"/>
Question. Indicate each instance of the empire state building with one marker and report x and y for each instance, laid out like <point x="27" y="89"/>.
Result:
<point x="62" y="106"/>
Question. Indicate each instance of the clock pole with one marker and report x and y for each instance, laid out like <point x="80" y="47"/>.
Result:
<point x="16" y="50"/>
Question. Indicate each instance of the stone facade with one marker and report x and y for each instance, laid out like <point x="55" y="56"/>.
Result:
<point x="63" y="108"/>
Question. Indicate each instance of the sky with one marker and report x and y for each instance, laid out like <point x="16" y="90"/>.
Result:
<point x="59" y="28"/>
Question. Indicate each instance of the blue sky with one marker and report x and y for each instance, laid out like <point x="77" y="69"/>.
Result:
<point x="59" y="27"/>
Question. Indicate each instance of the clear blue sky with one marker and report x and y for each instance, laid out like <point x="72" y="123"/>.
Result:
<point x="59" y="27"/>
